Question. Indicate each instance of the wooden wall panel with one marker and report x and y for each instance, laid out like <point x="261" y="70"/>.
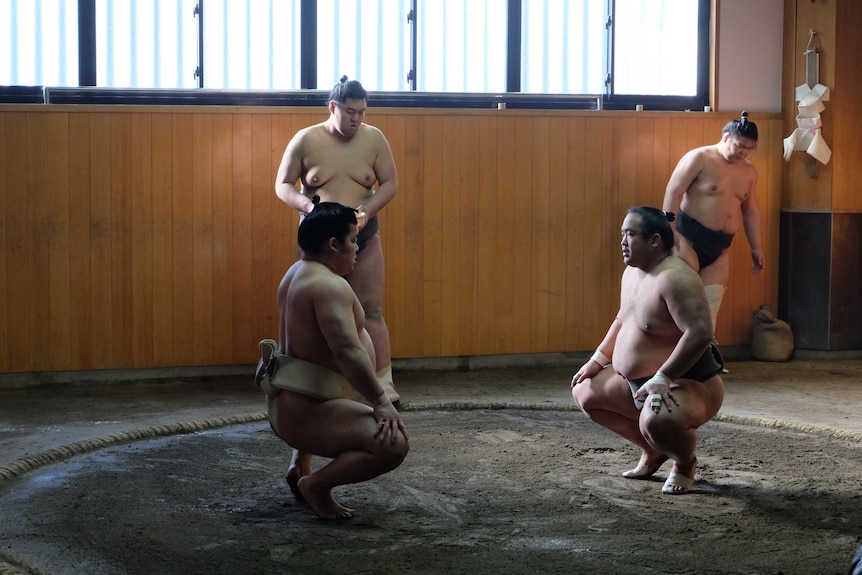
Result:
<point x="38" y="214"/>
<point x="807" y="183"/>
<point x="509" y="201"/>
<point x="162" y="146"/>
<point x="156" y="238"/>
<point x="120" y="217"/>
<point x="558" y="231"/>
<point x="846" y="146"/>
<point x="142" y="263"/>
<point x="538" y="242"/>
<point x="202" y="238"/>
<point x="411" y="182"/>
<point x="80" y="335"/>
<point x="221" y="344"/>
<point x="486" y="228"/>
<point x="394" y="218"/>
<point x="54" y="199"/>
<point x="241" y="265"/>
<point x="463" y="315"/>
<point x="521" y="247"/>
<point x="182" y="351"/>
<point x="577" y="234"/>
<point x="447" y="247"/>
<point x="433" y="337"/>
<point x="101" y="293"/>
<point x="16" y="247"/>
<point x="267" y="270"/>
<point x="4" y="276"/>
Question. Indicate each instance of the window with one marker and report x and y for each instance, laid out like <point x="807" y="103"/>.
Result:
<point x="655" y="50"/>
<point x="249" y="44"/>
<point x="146" y="44"/>
<point x="628" y="51"/>
<point x="370" y="43"/>
<point x="39" y="42"/>
<point x="461" y="46"/>
<point x="564" y="46"/>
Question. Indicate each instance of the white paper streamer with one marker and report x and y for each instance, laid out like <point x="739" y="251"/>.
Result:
<point x="807" y="137"/>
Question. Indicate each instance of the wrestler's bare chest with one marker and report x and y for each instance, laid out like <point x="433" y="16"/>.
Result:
<point x="341" y="167"/>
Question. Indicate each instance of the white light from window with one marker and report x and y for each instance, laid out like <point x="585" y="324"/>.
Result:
<point x="462" y="46"/>
<point x="39" y="43"/>
<point x="563" y="46"/>
<point x="252" y="44"/>
<point x="146" y="44"/>
<point x="655" y="49"/>
<point x="367" y="41"/>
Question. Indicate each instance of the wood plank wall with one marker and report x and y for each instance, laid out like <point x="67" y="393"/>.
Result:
<point x="149" y="236"/>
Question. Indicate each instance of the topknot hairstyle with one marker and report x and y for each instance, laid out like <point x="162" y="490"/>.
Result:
<point x="742" y="127"/>
<point x="347" y="90"/>
<point x="326" y="220"/>
<point x="655" y="221"/>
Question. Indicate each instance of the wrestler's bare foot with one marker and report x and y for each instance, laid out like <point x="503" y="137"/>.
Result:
<point x="646" y="467"/>
<point x="680" y="480"/>
<point x="300" y="466"/>
<point x="391" y="394"/>
<point x="323" y="504"/>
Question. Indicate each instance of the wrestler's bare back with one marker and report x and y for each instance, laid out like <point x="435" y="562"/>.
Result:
<point x="647" y="330"/>
<point x="340" y="169"/>
<point x="301" y="290"/>
<point x="716" y="187"/>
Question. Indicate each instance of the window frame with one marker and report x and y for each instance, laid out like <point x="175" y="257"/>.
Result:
<point x="310" y="95"/>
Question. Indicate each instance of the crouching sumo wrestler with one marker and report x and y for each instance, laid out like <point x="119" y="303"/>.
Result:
<point x="323" y="364"/>
<point x="659" y="349"/>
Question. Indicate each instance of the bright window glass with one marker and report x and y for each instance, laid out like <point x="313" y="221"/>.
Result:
<point x="146" y="44"/>
<point x="39" y="42"/>
<point x="365" y="40"/>
<point x="252" y="44"/>
<point x="462" y="46"/>
<point x="563" y="43"/>
<point x="655" y="50"/>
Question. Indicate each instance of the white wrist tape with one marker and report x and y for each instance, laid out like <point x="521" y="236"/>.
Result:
<point x="600" y="358"/>
<point x="659" y="379"/>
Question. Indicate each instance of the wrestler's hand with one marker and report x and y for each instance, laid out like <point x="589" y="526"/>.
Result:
<point x="361" y="217"/>
<point x="588" y="370"/>
<point x="758" y="261"/>
<point x="389" y="421"/>
<point x="657" y="393"/>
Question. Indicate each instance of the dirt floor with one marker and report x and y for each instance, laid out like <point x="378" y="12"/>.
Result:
<point x="487" y="491"/>
<point x="497" y="491"/>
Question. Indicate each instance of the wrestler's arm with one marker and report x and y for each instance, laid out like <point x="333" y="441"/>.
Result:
<point x="680" y="181"/>
<point x="281" y="298"/>
<point x="686" y="302"/>
<point x="289" y="172"/>
<point x="387" y="175"/>
<point x="751" y="224"/>
<point x="334" y="309"/>
<point x="594" y="365"/>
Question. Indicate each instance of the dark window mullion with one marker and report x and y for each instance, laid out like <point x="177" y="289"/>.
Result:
<point x="703" y="17"/>
<point x="308" y="45"/>
<point x="86" y="42"/>
<point x="513" y="47"/>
